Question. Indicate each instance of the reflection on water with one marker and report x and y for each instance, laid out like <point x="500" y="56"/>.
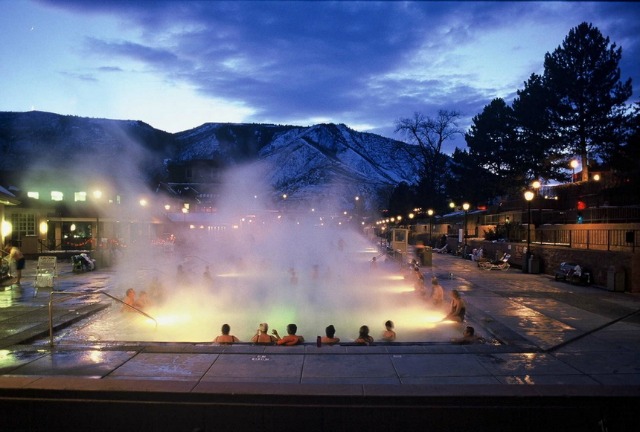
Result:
<point x="280" y="275"/>
<point x="243" y="299"/>
<point x="198" y="319"/>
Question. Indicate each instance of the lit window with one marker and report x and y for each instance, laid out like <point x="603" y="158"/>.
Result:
<point x="34" y="195"/>
<point x="56" y="196"/>
<point x="80" y="196"/>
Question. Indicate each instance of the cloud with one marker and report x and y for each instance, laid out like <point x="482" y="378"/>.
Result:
<point x="365" y="63"/>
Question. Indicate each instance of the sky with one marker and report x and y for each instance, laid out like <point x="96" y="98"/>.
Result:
<point x="179" y="64"/>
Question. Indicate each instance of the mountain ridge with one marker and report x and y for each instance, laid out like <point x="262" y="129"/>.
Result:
<point x="304" y="161"/>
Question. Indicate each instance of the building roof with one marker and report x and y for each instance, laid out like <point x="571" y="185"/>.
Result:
<point x="7" y="198"/>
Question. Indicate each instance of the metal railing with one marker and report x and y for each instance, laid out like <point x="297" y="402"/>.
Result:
<point x="601" y="239"/>
<point x="68" y="294"/>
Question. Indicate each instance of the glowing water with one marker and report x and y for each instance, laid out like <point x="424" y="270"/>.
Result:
<point x="252" y="262"/>
<point x="335" y="285"/>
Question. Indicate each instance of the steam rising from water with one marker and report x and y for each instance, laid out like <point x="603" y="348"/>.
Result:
<point x="293" y="269"/>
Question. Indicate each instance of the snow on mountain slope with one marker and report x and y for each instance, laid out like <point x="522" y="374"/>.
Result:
<point x="323" y="162"/>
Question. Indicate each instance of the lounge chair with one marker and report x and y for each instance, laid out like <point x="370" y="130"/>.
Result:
<point x="443" y="250"/>
<point x="501" y="264"/>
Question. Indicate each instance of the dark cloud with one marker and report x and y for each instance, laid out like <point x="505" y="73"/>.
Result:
<point x="88" y="77"/>
<point x="110" y="69"/>
<point x="158" y="58"/>
<point x="296" y="60"/>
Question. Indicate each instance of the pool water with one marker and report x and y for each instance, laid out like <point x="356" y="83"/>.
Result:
<point x="194" y="310"/>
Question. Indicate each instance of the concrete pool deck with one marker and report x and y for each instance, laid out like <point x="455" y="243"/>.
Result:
<point x="564" y="348"/>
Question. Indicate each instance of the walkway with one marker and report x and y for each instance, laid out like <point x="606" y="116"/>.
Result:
<point x="564" y="347"/>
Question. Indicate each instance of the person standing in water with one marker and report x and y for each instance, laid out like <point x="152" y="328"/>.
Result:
<point x="363" y="336"/>
<point x="330" y="338"/>
<point x="291" y="338"/>
<point x="225" y="338"/>
<point x="262" y="335"/>
<point x="437" y="293"/>
<point x="389" y="335"/>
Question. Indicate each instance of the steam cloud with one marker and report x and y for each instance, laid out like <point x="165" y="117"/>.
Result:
<point x="298" y="266"/>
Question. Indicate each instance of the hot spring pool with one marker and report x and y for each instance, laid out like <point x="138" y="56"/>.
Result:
<point x="252" y="281"/>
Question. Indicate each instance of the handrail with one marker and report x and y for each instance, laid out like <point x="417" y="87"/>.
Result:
<point x="70" y="294"/>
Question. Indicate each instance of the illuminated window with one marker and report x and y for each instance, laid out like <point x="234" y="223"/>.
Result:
<point x="56" y="196"/>
<point x="24" y="224"/>
<point x="34" y="195"/>
<point x="80" y="196"/>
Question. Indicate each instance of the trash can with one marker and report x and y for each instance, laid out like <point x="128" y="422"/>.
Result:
<point x="615" y="279"/>
<point x="525" y="263"/>
<point x="534" y="264"/>
<point x="427" y="256"/>
<point x="103" y="258"/>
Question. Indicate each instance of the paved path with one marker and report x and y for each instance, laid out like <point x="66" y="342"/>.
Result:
<point x="557" y="340"/>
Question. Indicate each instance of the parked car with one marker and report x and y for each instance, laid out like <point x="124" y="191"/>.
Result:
<point x="573" y="273"/>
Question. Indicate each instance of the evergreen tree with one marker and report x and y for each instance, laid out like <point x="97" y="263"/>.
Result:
<point x="468" y="181"/>
<point x="492" y="143"/>
<point x="584" y="77"/>
<point x="536" y="137"/>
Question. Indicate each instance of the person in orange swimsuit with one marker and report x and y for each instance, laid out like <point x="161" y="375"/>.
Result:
<point x="225" y="338"/>
<point x="262" y="336"/>
<point x="291" y="338"/>
<point x="389" y="335"/>
<point x="363" y="336"/>
<point x="330" y="338"/>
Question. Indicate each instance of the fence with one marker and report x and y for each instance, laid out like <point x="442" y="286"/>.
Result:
<point x="601" y="239"/>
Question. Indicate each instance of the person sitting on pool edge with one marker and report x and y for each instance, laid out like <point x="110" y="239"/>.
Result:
<point x="225" y="338"/>
<point x="458" y="308"/>
<point x="330" y="338"/>
<point x="262" y="336"/>
<point x="291" y="338"/>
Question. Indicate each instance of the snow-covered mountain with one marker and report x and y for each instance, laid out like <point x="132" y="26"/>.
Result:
<point x="316" y="163"/>
<point x="320" y="163"/>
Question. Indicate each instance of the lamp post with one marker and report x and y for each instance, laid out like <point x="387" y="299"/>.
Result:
<point x="465" y="207"/>
<point x="430" y="213"/>
<point x="573" y="164"/>
<point x="97" y="195"/>
<point x="536" y="185"/>
<point x="528" y="195"/>
<point x="185" y="210"/>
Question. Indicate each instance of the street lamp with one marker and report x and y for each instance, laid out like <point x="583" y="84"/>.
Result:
<point x="430" y="213"/>
<point x="573" y="164"/>
<point x="97" y="195"/>
<point x="465" y="207"/>
<point x="537" y="185"/>
<point x="528" y="195"/>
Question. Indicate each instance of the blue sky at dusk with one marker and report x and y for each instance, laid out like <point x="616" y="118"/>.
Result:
<point x="177" y="65"/>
